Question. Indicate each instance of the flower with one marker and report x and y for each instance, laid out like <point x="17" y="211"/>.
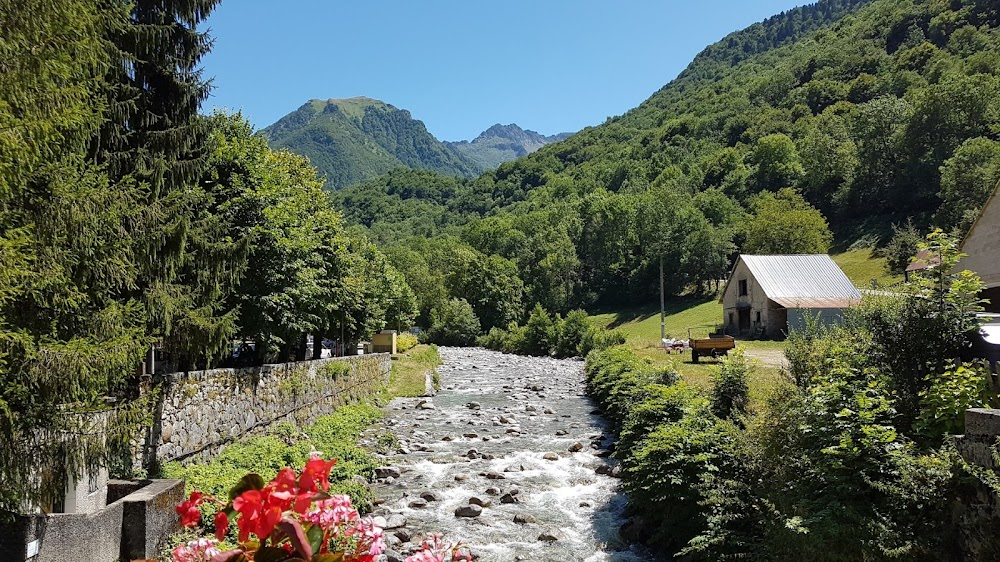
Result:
<point x="436" y="549"/>
<point x="259" y="513"/>
<point x="201" y="550"/>
<point x="316" y="474"/>
<point x="188" y="509"/>
<point x="221" y="525"/>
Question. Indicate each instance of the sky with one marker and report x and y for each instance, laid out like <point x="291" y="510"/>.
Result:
<point x="461" y="66"/>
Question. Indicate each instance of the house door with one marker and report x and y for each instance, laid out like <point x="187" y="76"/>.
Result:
<point x="744" y="320"/>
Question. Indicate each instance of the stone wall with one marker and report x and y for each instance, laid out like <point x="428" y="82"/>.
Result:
<point x="200" y="412"/>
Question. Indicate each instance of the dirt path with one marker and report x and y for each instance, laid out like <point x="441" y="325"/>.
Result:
<point x="768" y="357"/>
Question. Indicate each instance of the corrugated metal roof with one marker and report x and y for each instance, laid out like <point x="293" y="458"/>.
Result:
<point x="803" y="281"/>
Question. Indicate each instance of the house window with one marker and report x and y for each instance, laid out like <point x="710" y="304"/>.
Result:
<point x="743" y="287"/>
<point x="758" y="317"/>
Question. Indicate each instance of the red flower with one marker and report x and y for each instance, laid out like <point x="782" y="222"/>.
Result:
<point x="316" y="474"/>
<point x="259" y="513"/>
<point x="188" y="509"/>
<point x="221" y="525"/>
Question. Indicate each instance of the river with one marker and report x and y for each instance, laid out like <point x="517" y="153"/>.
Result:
<point x="519" y="436"/>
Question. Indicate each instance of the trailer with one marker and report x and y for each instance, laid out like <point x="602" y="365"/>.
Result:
<point x="714" y="346"/>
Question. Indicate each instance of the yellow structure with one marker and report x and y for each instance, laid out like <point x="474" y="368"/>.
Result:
<point x="384" y="342"/>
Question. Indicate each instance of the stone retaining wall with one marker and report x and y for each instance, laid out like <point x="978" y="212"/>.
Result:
<point x="200" y="412"/>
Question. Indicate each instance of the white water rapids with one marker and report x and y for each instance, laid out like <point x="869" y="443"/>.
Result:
<point x="491" y="425"/>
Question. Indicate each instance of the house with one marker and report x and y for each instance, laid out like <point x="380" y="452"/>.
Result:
<point x="767" y="296"/>
<point x="982" y="246"/>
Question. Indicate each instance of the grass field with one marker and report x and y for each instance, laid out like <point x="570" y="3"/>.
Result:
<point x="861" y="267"/>
<point x="410" y="369"/>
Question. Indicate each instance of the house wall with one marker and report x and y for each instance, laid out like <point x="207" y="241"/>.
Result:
<point x="827" y="316"/>
<point x="983" y="245"/>
<point x="755" y="299"/>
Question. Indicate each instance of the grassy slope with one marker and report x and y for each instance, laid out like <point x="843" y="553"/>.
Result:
<point x="861" y="267"/>
<point x="701" y="315"/>
<point x="409" y="370"/>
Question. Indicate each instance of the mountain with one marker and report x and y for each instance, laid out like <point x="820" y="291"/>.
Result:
<point x="355" y="139"/>
<point x="503" y="143"/>
<point x="874" y="112"/>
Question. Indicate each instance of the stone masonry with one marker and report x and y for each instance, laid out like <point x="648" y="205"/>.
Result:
<point x="200" y="412"/>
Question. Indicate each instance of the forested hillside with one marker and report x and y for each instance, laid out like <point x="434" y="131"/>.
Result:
<point x="846" y="117"/>
<point x="352" y="140"/>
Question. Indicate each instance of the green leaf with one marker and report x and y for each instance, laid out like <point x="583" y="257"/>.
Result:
<point x="249" y="482"/>
<point x="316" y="535"/>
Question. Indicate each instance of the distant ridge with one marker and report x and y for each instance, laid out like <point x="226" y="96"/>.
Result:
<point x="351" y="140"/>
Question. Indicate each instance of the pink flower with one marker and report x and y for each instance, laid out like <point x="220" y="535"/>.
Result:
<point x="436" y="549"/>
<point x="201" y="550"/>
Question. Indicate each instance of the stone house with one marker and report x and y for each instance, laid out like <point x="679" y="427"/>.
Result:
<point x="768" y="296"/>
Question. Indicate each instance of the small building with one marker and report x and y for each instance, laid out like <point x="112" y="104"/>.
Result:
<point x="769" y="296"/>
<point x="384" y="342"/>
<point x="982" y="248"/>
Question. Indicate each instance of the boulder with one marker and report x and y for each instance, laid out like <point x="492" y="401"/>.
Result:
<point x="524" y="518"/>
<point x="470" y="510"/>
<point x="481" y="502"/>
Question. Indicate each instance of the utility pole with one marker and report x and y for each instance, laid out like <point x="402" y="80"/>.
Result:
<point x="663" y="321"/>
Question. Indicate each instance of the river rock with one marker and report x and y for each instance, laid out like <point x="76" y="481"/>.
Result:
<point x="461" y="477"/>
<point x="509" y="498"/>
<point x="576" y="447"/>
<point x="430" y="496"/>
<point x="524" y="518"/>
<point x="481" y="502"/>
<point x="550" y="535"/>
<point x="492" y="491"/>
<point x="494" y="476"/>
<point x="474" y="406"/>
<point x="418" y="503"/>
<point x="393" y="556"/>
<point x="530" y="408"/>
<point x="470" y="510"/>
<point x="550" y="457"/>
<point x="425" y="405"/>
<point x="548" y="411"/>
<point x="403" y="535"/>
<point x="395" y="521"/>
<point x="561" y="432"/>
<point x="514" y="468"/>
<point x="387" y="472"/>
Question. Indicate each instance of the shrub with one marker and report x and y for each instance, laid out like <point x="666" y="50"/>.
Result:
<point x="405" y="342"/>
<point x="600" y="339"/>
<point x="453" y="323"/>
<point x="730" y="385"/>
<point x="572" y="330"/>
<point x="950" y="394"/>
<point x="540" y="332"/>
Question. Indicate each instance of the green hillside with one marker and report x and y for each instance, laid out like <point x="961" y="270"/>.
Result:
<point x="871" y="113"/>
<point x="352" y="140"/>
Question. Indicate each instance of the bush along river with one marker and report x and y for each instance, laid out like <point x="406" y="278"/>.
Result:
<point x="510" y="458"/>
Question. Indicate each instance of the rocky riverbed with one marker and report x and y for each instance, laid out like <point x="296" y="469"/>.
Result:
<point x="510" y="458"/>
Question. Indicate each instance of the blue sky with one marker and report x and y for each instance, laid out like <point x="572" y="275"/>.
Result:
<point x="463" y="65"/>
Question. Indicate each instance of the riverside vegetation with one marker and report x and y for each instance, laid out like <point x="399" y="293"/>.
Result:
<point x="848" y="459"/>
